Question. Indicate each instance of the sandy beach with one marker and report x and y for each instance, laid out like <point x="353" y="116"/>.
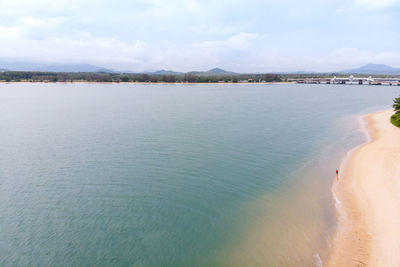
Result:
<point x="368" y="199"/>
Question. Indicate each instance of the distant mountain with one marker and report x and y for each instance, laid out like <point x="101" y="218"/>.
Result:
<point x="7" y="65"/>
<point x="31" y="66"/>
<point x="374" y="69"/>
<point x="74" y="68"/>
<point x="165" y="72"/>
<point x="220" y="71"/>
<point x="213" y="72"/>
<point x="300" y="72"/>
<point x="305" y="72"/>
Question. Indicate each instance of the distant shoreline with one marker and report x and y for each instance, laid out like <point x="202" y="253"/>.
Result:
<point x="162" y="83"/>
<point x="368" y="196"/>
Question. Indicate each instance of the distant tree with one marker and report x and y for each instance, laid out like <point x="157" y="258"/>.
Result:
<point x="396" y="104"/>
<point x="35" y="76"/>
<point x="124" y="78"/>
<point x="104" y="78"/>
<point x="145" y="78"/>
<point x="395" y="119"/>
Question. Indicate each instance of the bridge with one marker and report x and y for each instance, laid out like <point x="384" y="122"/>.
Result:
<point x="348" y="80"/>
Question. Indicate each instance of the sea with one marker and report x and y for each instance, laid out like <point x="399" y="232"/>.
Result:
<point x="174" y="174"/>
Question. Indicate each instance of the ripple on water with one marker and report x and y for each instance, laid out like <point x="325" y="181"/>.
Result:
<point x="150" y="175"/>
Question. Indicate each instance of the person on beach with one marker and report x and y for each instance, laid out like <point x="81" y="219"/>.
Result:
<point x="337" y="174"/>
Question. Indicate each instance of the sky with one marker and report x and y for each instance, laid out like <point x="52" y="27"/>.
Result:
<point x="186" y="35"/>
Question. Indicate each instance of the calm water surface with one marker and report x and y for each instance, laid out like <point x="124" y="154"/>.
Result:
<point x="173" y="175"/>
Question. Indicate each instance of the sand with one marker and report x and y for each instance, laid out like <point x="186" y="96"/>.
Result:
<point x="368" y="194"/>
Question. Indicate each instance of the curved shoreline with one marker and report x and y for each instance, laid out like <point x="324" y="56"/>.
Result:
<point x="368" y="199"/>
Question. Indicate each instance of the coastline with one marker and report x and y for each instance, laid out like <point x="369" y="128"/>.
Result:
<point x="367" y="195"/>
<point x="132" y="83"/>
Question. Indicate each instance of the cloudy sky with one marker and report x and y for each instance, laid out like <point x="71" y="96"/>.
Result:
<point x="184" y="35"/>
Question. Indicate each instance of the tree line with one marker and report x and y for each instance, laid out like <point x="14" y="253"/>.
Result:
<point x="395" y="119"/>
<point x="19" y="76"/>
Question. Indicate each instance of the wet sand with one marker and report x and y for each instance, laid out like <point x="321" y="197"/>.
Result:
<point x="368" y="199"/>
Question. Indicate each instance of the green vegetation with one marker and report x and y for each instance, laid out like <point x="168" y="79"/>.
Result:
<point x="395" y="119"/>
<point x="18" y="76"/>
<point x="190" y="77"/>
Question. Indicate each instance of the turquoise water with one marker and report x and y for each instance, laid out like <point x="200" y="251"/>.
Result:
<point x="173" y="175"/>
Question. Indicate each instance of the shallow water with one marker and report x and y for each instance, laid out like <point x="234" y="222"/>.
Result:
<point x="173" y="175"/>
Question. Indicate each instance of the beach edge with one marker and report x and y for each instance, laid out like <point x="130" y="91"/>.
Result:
<point x="362" y="187"/>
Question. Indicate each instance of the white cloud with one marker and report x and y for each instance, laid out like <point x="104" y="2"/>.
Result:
<point x="352" y="57"/>
<point x="9" y="33"/>
<point x="239" y="41"/>
<point x="35" y="28"/>
<point x="335" y="60"/>
<point x="374" y="4"/>
<point x="81" y="47"/>
<point x="212" y="30"/>
<point x="370" y="5"/>
<point x="255" y="35"/>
